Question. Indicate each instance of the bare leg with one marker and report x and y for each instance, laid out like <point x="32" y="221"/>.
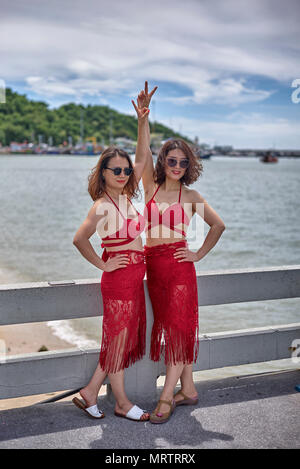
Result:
<point x="90" y="392"/>
<point x="173" y="373"/>
<point x="187" y="383"/>
<point x="123" y="404"/>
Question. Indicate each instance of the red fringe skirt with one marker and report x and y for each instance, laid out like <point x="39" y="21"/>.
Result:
<point x="124" y="313"/>
<point x="172" y="287"/>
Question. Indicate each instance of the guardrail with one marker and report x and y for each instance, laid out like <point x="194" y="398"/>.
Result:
<point x="38" y="373"/>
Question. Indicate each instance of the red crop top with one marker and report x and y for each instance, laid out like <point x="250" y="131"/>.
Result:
<point x="171" y="217"/>
<point x="129" y="231"/>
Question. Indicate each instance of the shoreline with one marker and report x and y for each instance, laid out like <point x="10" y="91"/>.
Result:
<point x="22" y="339"/>
<point x="29" y="338"/>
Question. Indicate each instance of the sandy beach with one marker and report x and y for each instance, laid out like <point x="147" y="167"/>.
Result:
<point x="26" y="338"/>
<point x="29" y="338"/>
<point x="19" y="339"/>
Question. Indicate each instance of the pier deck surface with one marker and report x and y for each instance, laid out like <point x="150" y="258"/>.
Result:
<point x="247" y="411"/>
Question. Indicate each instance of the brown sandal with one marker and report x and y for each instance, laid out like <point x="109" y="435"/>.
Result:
<point x="157" y="417"/>
<point x="186" y="400"/>
<point x="92" y="411"/>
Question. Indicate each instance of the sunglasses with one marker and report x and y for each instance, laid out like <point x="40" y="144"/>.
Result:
<point x="172" y="162"/>
<point x="117" y="171"/>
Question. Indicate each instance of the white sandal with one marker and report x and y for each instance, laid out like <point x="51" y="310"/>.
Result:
<point x="93" y="410"/>
<point x="134" y="413"/>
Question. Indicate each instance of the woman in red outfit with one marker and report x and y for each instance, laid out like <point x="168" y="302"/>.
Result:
<point x="112" y="183"/>
<point x="171" y="275"/>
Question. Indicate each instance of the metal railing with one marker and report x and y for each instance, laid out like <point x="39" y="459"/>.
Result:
<point x="61" y="370"/>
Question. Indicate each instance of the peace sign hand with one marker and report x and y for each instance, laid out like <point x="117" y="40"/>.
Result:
<point x="142" y="112"/>
<point x="144" y="97"/>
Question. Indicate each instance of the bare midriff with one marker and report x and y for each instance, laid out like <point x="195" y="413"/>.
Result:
<point x="155" y="241"/>
<point x="136" y="245"/>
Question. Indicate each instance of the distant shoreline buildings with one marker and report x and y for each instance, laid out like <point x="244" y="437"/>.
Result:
<point x="93" y="148"/>
<point x="30" y="127"/>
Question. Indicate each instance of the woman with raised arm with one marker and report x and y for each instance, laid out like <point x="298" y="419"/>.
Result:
<point x="112" y="183"/>
<point x="171" y="275"/>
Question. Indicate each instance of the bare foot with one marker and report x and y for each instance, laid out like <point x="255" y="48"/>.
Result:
<point x="89" y="398"/>
<point x="126" y="408"/>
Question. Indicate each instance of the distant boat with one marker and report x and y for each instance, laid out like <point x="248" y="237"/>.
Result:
<point x="84" y="153"/>
<point x="269" y="158"/>
<point x="205" y="155"/>
<point x="202" y="154"/>
<point x="52" y="151"/>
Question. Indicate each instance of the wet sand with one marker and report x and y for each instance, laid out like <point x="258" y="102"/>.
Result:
<point x="29" y="338"/>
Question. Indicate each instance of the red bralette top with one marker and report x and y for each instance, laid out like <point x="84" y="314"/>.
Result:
<point x="171" y="217"/>
<point x="129" y="231"/>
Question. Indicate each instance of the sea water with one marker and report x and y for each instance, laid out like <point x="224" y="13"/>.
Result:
<point x="44" y="200"/>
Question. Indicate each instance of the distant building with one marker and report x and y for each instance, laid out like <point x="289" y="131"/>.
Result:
<point x="223" y="149"/>
<point x="125" y="143"/>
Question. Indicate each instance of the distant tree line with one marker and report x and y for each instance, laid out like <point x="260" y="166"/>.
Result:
<point x="22" y="120"/>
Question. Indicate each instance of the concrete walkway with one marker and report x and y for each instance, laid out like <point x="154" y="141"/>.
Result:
<point x="256" y="411"/>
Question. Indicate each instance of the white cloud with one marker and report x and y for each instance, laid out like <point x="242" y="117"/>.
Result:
<point x="229" y="91"/>
<point x="104" y="47"/>
<point x="253" y="130"/>
<point x="49" y="86"/>
<point x="209" y="50"/>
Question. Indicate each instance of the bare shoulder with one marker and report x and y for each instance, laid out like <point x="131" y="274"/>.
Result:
<point x="95" y="215"/>
<point x="97" y="209"/>
<point x="97" y="203"/>
<point x="204" y="209"/>
<point x="193" y="196"/>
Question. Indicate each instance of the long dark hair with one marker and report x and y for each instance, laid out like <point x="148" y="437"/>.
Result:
<point x="96" y="182"/>
<point x="193" y="171"/>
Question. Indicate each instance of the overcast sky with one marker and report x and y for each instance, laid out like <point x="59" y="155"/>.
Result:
<point x="224" y="68"/>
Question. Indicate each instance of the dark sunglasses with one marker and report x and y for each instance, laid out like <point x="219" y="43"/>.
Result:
<point x="172" y="162"/>
<point x="117" y="171"/>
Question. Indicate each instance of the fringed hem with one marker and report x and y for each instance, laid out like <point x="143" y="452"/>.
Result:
<point x="177" y="346"/>
<point x="123" y="350"/>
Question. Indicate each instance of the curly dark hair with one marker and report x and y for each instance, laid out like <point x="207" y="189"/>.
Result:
<point x="193" y="171"/>
<point x="96" y="182"/>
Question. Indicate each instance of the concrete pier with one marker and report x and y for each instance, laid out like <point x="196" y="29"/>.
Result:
<point x="259" y="409"/>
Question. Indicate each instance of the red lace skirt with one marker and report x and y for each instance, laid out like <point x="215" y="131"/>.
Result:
<point x="124" y="313"/>
<point x="172" y="287"/>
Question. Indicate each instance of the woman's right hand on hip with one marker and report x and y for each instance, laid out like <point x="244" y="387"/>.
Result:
<point x="117" y="262"/>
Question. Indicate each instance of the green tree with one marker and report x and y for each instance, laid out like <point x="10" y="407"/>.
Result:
<point x="23" y="119"/>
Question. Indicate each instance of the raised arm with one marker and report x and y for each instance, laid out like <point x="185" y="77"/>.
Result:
<point x="143" y="101"/>
<point x="141" y="153"/>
